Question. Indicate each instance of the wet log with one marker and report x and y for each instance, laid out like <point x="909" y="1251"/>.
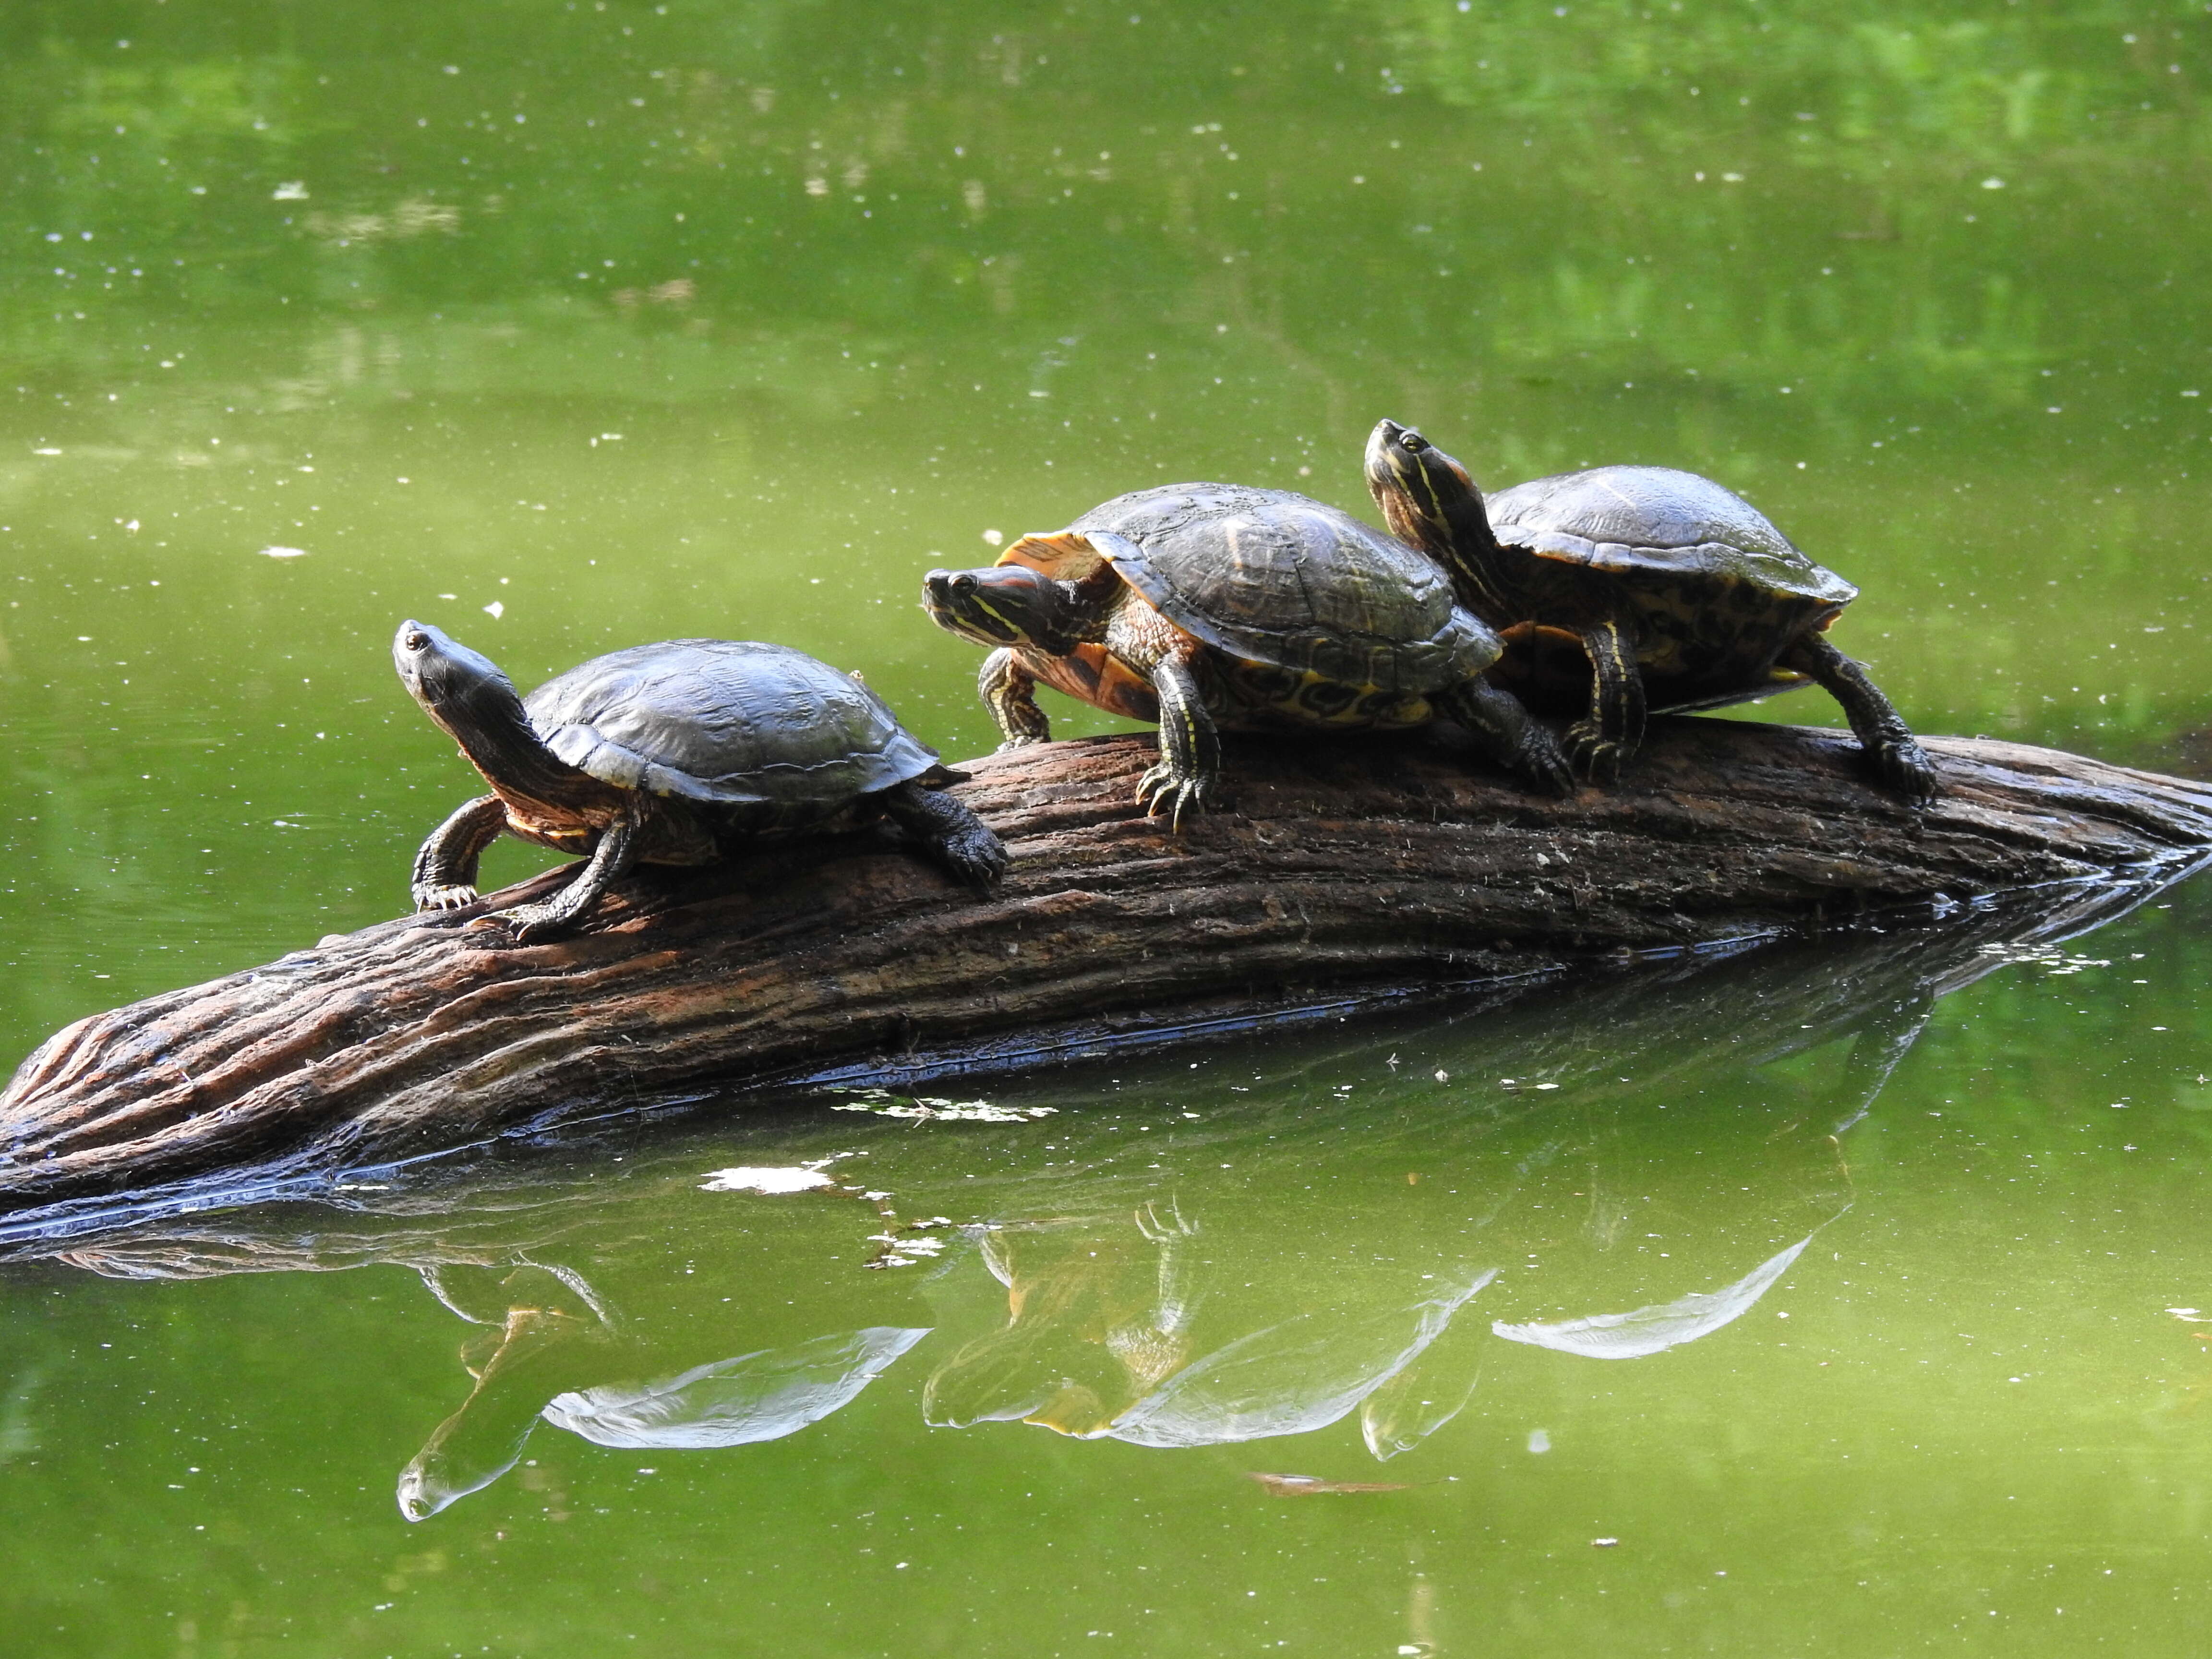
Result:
<point x="1346" y="872"/>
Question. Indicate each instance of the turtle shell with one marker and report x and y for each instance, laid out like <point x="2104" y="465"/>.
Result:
<point x="1268" y="576"/>
<point x="732" y="722"/>
<point x="1656" y="522"/>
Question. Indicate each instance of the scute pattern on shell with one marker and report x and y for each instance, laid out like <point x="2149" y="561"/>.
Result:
<point x="1274" y="577"/>
<point x="735" y="722"/>
<point x="1659" y="523"/>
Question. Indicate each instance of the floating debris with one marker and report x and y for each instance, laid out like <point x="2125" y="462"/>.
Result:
<point x="283" y="552"/>
<point x="2052" y="961"/>
<point x="744" y="1179"/>
<point x="923" y="1108"/>
<point x="1312" y="1486"/>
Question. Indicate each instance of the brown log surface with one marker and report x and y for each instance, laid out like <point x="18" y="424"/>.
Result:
<point x="1343" y="868"/>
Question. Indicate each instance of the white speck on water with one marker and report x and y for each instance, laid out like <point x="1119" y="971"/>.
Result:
<point x="745" y="1179"/>
<point x="45" y="451"/>
<point x="993" y="536"/>
<point x="292" y="190"/>
<point x="1540" y="1441"/>
<point x="283" y="552"/>
<point x="494" y="611"/>
<point x="1993" y="183"/>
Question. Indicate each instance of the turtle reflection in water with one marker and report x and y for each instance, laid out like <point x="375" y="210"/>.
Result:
<point x="677" y="753"/>
<point x="1625" y="587"/>
<point x="1097" y="1343"/>
<point x="564" y="1359"/>
<point x="1205" y="606"/>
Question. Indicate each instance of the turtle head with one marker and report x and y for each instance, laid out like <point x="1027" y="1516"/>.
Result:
<point x="465" y="694"/>
<point x="444" y="675"/>
<point x="1007" y="605"/>
<point x="1427" y="498"/>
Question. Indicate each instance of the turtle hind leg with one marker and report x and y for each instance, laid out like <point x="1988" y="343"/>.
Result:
<point x="954" y="836"/>
<point x="1604" y="739"/>
<point x="445" y="876"/>
<point x="1503" y="727"/>
<point x="1009" y="691"/>
<point x="1897" y="760"/>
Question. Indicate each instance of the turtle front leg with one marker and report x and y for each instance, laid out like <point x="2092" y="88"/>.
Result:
<point x="958" y="839"/>
<point x="610" y="860"/>
<point x="1603" y="740"/>
<point x="1189" y="775"/>
<point x="1898" y="761"/>
<point x="1503" y="727"/>
<point x="445" y="869"/>
<point x="1009" y="691"/>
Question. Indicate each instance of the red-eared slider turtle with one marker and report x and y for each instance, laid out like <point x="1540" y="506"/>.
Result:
<point x="1677" y="591"/>
<point x="676" y="753"/>
<point x="1206" y="605"/>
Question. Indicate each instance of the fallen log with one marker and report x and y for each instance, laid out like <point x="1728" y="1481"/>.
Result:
<point x="1346" y="871"/>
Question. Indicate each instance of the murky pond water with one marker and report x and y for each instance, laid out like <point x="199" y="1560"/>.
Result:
<point x="1836" y="1300"/>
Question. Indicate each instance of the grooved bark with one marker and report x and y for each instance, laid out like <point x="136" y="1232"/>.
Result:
<point x="1345" y="869"/>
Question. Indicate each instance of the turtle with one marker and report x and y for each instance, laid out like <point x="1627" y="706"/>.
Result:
<point x="675" y="753"/>
<point x="1623" y="587"/>
<point x="1206" y="605"/>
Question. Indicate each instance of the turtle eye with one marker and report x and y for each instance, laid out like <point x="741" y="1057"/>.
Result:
<point x="1412" y="442"/>
<point x="418" y="641"/>
<point x="964" y="583"/>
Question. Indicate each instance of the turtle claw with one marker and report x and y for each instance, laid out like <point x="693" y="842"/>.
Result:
<point x="1023" y="742"/>
<point x="1161" y="789"/>
<point x="1593" y="757"/>
<point x="451" y="896"/>
<point x="1905" y="767"/>
<point x="978" y="859"/>
<point x="524" y="924"/>
<point x="1544" y="763"/>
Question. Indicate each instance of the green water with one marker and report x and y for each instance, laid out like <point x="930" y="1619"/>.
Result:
<point x="571" y="326"/>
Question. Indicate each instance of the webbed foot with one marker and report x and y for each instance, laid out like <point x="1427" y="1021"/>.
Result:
<point x="1539" y="758"/>
<point x="1496" y="721"/>
<point x="1165" y="788"/>
<point x="1903" y="765"/>
<point x="526" y="924"/>
<point x="954" y="836"/>
<point x="975" y="856"/>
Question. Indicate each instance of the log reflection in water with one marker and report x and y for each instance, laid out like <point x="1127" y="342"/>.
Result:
<point x="1264" y="1267"/>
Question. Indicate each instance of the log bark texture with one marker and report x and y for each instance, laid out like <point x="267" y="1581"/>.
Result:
<point x="1345" y="870"/>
